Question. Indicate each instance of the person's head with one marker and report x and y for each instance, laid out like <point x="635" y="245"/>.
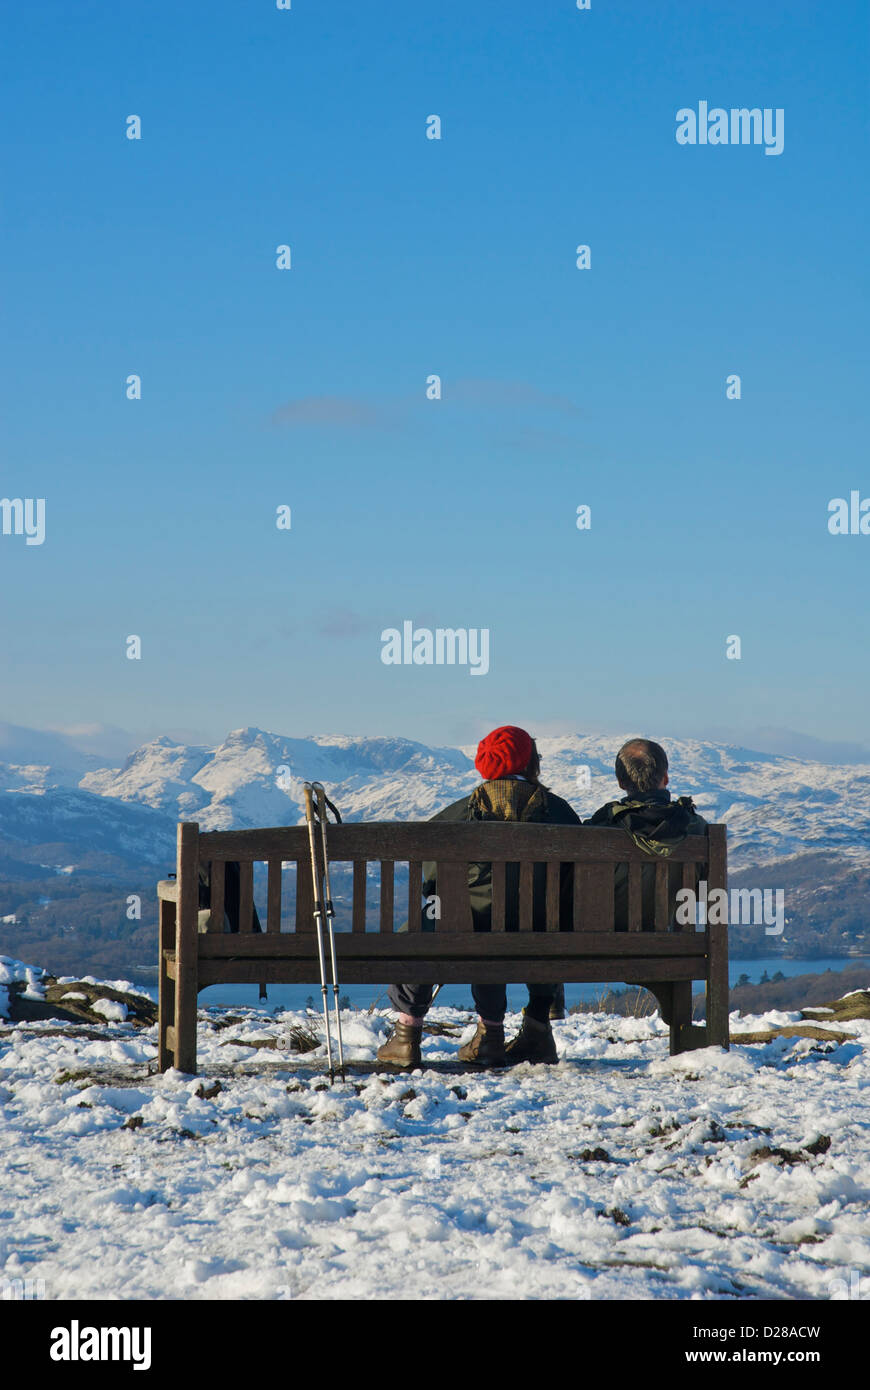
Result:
<point x="641" y="767"/>
<point x="508" y="752"/>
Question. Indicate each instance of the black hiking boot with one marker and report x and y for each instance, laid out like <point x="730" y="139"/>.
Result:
<point x="486" y="1048"/>
<point x="533" y="1043"/>
<point x="402" y="1048"/>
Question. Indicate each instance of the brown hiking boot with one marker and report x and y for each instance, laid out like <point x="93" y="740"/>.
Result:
<point x="486" y="1048"/>
<point x="533" y="1043"/>
<point x="402" y="1048"/>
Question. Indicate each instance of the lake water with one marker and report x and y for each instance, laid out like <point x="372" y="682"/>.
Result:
<point x="459" y="996"/>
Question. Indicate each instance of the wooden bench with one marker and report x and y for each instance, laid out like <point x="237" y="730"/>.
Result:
<point x="649" y="952"/>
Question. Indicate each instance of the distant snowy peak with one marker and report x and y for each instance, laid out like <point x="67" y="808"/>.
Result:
<point x="774" y="806"/>
<point x="255" y="778"/>
<point x="159" y="774"/>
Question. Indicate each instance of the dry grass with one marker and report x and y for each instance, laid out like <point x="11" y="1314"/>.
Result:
<point x="855" y="1005"/>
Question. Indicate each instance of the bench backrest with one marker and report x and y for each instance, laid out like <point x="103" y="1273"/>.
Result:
<point x="595" y="852"/>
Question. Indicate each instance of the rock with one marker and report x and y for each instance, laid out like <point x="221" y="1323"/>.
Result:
<point x="74" y="1003"/>
<point x="797" y="1031"/>
<point x="766" y="1154"/>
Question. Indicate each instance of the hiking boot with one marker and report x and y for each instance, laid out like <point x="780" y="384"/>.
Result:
<point x="402" y="1048"/>
<point x="486" y="1048"/>
<point x="557" y="1008"/>
<point x="533" y="1043"/>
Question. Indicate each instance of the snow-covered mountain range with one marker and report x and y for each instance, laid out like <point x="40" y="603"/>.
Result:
<point x="774" y="806"/>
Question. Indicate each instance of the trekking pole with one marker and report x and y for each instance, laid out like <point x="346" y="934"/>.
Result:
<point x="318" y="919"/>
<point x="322" y="803"/>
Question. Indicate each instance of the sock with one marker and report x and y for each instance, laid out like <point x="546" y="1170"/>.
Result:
<point x="492" y="1022"/>
<point x="410" y="1021"/>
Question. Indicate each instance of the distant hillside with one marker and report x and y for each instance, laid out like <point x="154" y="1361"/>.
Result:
<point x="798" y="992"/>
<point x="826" y="907"/>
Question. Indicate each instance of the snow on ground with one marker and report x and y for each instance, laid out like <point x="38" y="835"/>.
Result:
<point x="16" y="972"/>
<point x="619" y="1173"/>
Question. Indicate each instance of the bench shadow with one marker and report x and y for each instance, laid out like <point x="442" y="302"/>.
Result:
<point x="135" y="1073"/>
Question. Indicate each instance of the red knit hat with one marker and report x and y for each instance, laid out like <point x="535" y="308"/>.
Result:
<point x="505" y="751"/>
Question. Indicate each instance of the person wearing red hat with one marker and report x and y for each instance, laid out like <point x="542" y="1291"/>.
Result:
<point x="510" y="790"/>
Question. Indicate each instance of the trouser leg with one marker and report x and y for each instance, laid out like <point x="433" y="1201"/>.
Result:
<point x="540" y="1001"/>
<point x="233" y="898"/>
<point x="411" y="999"/>
<point x="490" y="1001"/>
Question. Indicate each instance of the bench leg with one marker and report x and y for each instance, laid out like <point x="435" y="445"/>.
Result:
<point x="663" y="992"/>
<point x="187" y="946"/>
<point x="718" y="1000"/>
<point x="684" y="1035"/>
<point x="166" y="998"/>
<point x="675" y="1006"/>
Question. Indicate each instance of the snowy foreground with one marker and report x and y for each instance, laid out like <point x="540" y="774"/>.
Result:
<point x="619" y="1173"/>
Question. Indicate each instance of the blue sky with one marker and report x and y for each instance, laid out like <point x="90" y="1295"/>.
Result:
<point x="410" y="257"/>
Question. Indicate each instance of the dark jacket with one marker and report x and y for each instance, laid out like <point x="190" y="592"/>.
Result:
<point x="507" y="799"/>
<point x="232" y="896"/>
<point x="656" y="824"/>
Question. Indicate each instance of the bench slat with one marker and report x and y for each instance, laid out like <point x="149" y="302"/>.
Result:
<point x="387" y="885"/>
<point x="499" y="869"/>
<point x="661" y="899"/>
<point x="452" y="888"/>
<point x="436" y="970"/>
<point x="554" y="881"/>
<point x="246" y="897"/>
<point x="304" y="896"/>
<point x="596" y="884"/>
<point x="476" y="842"/>
<point x="689" y="874"/>
<point x="635" y="897"/>
<point x="359" y="895"/>
<point x="415" y="896"/>
<point x="527" y="880"/>
<point x="217" y="882"/>
<point x="456" y="945"/>
<point x="577" y="901"/>
<point x="273" y="897"/>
